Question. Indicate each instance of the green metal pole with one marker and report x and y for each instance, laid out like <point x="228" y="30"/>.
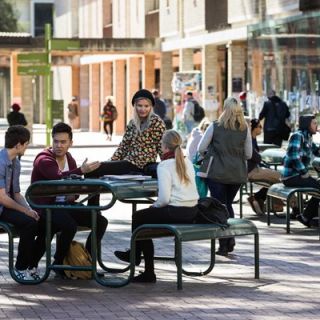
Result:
<point x="48" y="85"/>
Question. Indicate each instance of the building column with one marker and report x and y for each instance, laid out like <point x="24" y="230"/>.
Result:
<point x="84" y="101"/>
<point x="119" y="91"/>
<point x="185" y="60"/>
<point x="94" y="111"/>
<point x="148" y="74"/>
<point x="166" y="75"/>
<point x="106" y="80"/>
<point x="16" y="81"/>
<point x="209" y="81"/>
<point x="75" y="70"/>
<point x="237" y="58"/>
<point x="133" y="69"/>
<point x="27" y="100"/>
<point x="257" y="72"/>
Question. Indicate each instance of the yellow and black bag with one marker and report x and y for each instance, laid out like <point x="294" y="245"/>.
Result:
<point x="78" y="255"/>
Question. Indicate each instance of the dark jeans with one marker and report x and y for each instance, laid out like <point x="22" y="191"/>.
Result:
<point x="225" y="193"/>
<point x="107" y="124"/>
<point x="168" y="214"/>
<point x="28" y="229"/>
<point x="112" y="167"/>
<point x="272" y="137"/>
<point x="311" y="210"/>
<point x="66" y="221"/>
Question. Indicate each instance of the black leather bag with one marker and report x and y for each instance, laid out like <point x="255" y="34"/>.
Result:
<point x="211" y="210"/>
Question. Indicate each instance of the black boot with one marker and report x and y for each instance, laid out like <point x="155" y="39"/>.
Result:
<point x="231" y="244"/>
<point x="125" y="256"/>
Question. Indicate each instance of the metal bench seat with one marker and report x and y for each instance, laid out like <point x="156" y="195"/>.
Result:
<point x="195" y="232"/>
<point x="280" y="191"/>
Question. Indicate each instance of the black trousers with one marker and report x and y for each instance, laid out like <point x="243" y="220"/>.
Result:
<point x="66" y="221"/>
<point x="112" y="167"/>
<point x="272" y="137"/>
<point x="168" y="214"/>
<point x="106" y="125"/>
<point x="311" y="210"/>
<point x="28" y="229"/>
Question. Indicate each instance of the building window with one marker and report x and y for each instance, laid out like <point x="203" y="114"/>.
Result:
<point x="43" y="13"/>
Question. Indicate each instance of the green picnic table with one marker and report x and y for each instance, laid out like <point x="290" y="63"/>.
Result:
<point x="128" y="191"/>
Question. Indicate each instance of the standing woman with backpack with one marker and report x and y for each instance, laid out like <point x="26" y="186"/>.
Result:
<point x="228" y="142"/>
<point x="176" y="203"/>
<point x="108" y="116"/>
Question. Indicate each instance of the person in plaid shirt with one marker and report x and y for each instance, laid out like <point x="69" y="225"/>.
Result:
<point x="300" y="151"/>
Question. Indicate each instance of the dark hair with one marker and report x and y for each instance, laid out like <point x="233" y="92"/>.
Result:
<point x="15" y="107"/>
<point x="305" y="121"/>
<point x="254" y="123"/>
<point x="62" y="127"/>
<point x="16" y="134"/>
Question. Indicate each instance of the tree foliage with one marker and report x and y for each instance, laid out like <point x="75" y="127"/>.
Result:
<point x="8" y="19"/>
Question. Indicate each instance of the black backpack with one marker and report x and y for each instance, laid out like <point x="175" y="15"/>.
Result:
<point x="198" y="112"/>
<point x="211" y="210"/>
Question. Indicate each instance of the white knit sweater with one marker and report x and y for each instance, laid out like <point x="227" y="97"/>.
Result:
<point x="171" y="190"/>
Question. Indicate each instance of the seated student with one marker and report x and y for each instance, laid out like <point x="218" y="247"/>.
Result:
<point x="176" y="203"/>
<point x="195" y="137"/>
<point x="140" y="145"/>
<point x="256" y="172"/>
<point x="297" y="160"/>
<point x="53" y="164"/>
<point x="13" y="207"/>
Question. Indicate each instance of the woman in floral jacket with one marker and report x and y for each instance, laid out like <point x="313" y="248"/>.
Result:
<point x="141" y="143"/>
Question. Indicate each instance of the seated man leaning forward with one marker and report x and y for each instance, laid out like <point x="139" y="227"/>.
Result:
<point x="56" y="163"/>
<point x="14" y="208"/>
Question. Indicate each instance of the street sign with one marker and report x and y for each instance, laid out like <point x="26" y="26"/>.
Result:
<point x="65" y="44"/>
<point x="34" y="57"/>
<point x="40" y="70"/>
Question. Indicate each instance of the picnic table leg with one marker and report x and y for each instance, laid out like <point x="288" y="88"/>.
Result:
<point x="178" y="259"/>
<point x="288" y="215"/>
<point x="268" y="209"/>
<point x="212" y="262"/>
<point x="319" y="220"/>
<point x="240" y="200"/>
<point x="256" y="256"/>
<point x="94" y="243"/>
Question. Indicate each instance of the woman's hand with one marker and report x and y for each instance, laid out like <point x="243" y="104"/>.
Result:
<point x="87" y="167"/>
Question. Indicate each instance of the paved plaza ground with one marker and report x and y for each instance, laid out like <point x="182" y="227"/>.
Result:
<point x="289" y="285"/>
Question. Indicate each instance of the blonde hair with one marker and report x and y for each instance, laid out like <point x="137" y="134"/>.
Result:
<point x="136" y="119"/>
<point x="232" y="116"/>
<point x="172" y="140"/>
<point x="204" y="124"/>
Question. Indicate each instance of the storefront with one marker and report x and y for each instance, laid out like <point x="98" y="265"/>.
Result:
<point x="284" y="56"/>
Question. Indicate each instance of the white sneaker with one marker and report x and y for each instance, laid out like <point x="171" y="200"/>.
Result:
<point x="22" y="274"/>
<point x="33" y="273"/>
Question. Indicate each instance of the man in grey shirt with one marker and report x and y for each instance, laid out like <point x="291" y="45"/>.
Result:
<point x="14" y="208"/>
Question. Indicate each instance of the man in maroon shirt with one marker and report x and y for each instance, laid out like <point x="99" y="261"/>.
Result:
<point x="53" y="164"/>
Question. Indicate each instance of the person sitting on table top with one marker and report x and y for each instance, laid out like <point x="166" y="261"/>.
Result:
<point x="141" y="143"/>
<point x="296" y="162"/>
<point x="53" y="164"/>
<point x="257" y="172"/>
<point x="176" y="203"/>
<point x="14" y="208"/>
